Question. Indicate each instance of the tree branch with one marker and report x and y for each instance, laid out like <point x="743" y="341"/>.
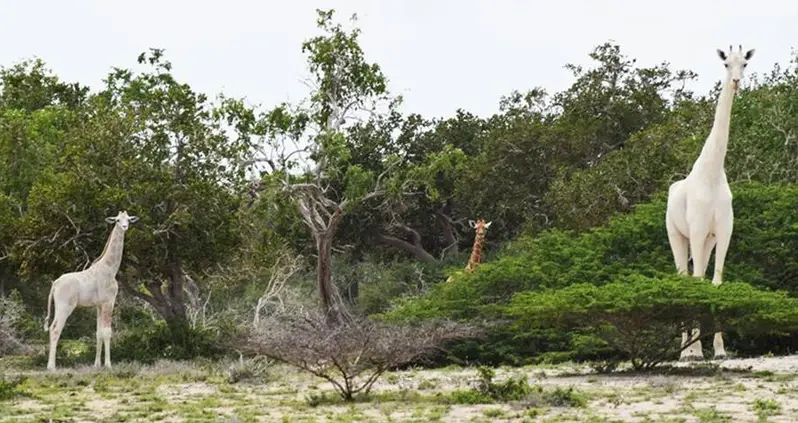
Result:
<point x="447" y="227"/>
<point x="138" y="294"/>
<point x="417" y="251"/>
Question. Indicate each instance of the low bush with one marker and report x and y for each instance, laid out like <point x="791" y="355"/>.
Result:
<point x="352" y="355"/>
<point x="11" y="317"/>
<point x="644" y="317"/>
<point x="159" y="341"/>
<point x="516" y="389"/>
<point x="254" y="370"/>
<point x="12" y="388"/>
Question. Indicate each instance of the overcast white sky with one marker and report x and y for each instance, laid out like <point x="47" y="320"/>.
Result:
<point x="440" y="54"/>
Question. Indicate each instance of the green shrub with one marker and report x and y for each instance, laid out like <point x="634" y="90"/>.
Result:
<point x="487" y="391"/>
<point x="160" y="341"/>
<point x="762" y="253"/>
<point x="644" y="317"/>
<point x="70" y="352"/>
<point x="11" y="388"/>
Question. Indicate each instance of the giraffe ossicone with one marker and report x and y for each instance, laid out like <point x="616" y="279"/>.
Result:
<point x="699" y="214"/>
<point x="95" y="286"/>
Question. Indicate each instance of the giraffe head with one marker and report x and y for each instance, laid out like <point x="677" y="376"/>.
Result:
<point x="122" y="220"/>
<point x="479" y="225"/>
<point x="735" y="62"/>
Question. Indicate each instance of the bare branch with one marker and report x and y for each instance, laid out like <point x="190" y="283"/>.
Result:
<point x="351" y="356"/>
<point x="284" y="267"/>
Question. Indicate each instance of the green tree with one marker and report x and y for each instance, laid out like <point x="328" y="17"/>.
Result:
<point x="36" y="109"/>
<point x="644" y="317"/>
<point x="345" y="86"/>
<point x="150" y="145"/>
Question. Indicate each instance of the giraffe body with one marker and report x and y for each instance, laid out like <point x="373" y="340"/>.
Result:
<point x="699" y="215"/>
<point x="480" y="228"/>
<point x="92" y="287"/>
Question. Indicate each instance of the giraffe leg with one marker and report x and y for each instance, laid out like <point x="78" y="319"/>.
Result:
<point x="698" y="247"/>
<point x="679" y="247"/>
<point x="107" y="318"/>
<point x="708" y="246"/>
<point x="723" y="233"/>
<point x="99" y="338"/>
<point x="62" y="312"/>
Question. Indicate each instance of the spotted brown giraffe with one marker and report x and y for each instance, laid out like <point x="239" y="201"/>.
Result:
<point x="479" y="243"/>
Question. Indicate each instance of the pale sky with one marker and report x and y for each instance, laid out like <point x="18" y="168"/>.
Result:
<point x="439" y="54"/>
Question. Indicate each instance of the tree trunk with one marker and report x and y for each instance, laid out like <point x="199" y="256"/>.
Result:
<point x="177" y="297"/>
<point x="445" y="223"/>
<point x="324" y="271"/>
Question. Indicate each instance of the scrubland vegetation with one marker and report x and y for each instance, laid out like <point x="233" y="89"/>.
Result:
<point x="290" y="260"/>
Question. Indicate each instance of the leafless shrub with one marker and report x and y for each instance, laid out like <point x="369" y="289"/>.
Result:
<point x="354" y="354"/>
<point x="249" y="370"/>
<point x="11" y="341"/>
<point x="197" y="311"/>
<point x="285" y="267"/>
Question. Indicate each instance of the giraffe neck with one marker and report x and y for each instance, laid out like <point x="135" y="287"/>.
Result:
<point x="112" y="253"/>
<point x="712" y="159"/>
<point x="476" y="252"/>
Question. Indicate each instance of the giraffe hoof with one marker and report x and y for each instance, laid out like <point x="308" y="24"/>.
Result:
<point x="691" y="358"/>
<point x="720" y="357"/>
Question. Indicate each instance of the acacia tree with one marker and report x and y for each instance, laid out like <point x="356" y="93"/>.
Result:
<point x="346" y="88"/>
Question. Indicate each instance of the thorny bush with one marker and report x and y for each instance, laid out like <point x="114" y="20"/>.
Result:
<point x="354" y="354"/>
<point x="11" y="314"/>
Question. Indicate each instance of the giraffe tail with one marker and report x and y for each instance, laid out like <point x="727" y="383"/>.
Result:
<point x="49" y="301"/>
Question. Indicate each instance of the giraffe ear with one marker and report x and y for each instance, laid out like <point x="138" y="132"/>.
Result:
<point x="722" y="54"/>
<point x="133" y="219"/>
<point x="749" y="54"/>
<point x="487" y="225"/>
<point x="110" y="219"/>
<point x="472" y="224"/>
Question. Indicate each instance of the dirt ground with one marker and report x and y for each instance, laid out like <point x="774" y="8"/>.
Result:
<point x="736" y="390"/>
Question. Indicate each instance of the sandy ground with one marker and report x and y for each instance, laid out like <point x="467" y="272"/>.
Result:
<point x="741" y="390"/>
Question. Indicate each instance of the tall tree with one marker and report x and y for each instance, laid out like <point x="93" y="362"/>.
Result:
<point x="346" y="88"/>
<point x="151" y="145"/>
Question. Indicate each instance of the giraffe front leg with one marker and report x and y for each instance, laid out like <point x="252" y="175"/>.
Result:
<point x="107" y="318"/>
<point x="695" y="351"/>
<point x="723" y="233"/>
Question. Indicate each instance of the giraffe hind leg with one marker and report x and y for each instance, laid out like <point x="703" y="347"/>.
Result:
<point x="62" y="313"/>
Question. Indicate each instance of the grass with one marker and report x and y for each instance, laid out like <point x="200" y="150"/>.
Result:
<point x="253" y="391"/>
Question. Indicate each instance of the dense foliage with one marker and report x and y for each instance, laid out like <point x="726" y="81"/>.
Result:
<point x="371" y="203"/>
<point x="645" y="317"/>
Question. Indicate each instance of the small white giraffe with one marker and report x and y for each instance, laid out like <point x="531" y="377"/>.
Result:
<point x="95" y="286"/>
<point x="699" y="212"/>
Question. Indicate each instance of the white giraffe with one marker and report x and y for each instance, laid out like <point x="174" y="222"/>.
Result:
<point x="95" y="286"/>
<point x="699" y="213"/>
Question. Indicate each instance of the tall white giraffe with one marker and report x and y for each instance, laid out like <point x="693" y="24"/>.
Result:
<point x="699" y="213"/>
<point x="95" y="286"/>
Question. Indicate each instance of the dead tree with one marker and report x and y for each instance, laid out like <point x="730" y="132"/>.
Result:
<point x="322" y="216"/>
